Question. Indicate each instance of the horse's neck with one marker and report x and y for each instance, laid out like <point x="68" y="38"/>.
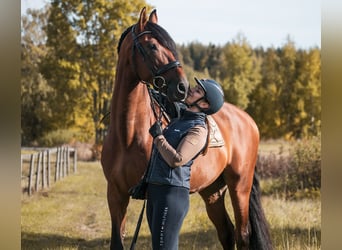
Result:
<point x="131" y="111"/>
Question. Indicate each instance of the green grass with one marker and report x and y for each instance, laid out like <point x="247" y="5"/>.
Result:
<point x="74" y="214"/>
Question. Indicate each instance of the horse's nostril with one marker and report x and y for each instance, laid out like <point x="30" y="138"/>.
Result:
<point x="180" y="94"/>
<point x="181" y="88"/>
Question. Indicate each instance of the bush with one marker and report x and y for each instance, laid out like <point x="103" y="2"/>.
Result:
<point x="57" y="138"/>
<point x="295" y="175"/>
<point x="306" y="160"/>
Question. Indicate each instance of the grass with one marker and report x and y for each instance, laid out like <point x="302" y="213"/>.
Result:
<point x="74" y="214"/>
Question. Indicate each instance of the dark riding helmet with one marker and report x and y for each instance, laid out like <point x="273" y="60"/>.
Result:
<point x="213" y="94"/>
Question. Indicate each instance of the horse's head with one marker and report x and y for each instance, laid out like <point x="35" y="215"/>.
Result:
<point x="155" y="58"/>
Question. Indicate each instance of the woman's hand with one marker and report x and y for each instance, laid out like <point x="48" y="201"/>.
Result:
<point x="156" y="129"/>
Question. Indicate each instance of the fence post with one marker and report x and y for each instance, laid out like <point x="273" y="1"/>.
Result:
<point x="57" y="166"/>
<point x="48" y="168"/>
<point x="38" y="170"/>
<point x="68" y="160"/>
<point x="62" y="162"/>
<point x="44" y="170"/>
<point x="31" y="174"/>
<point x="75" y="160"/>
<point x="60" y="166"/>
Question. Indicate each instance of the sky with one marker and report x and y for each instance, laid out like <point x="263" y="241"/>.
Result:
<point x="265" y="23"/>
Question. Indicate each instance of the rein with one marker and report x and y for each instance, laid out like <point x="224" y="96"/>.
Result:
<point x="153" y="100"/>
<point x="157" y="116"/>
<point x="159" y="82"/>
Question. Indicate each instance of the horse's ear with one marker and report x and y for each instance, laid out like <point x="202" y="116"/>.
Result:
<point x="142" y="19"/>
<point x="153" y="17"/>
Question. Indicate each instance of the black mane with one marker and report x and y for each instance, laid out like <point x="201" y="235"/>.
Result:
<point x="158" y="33"/>
<point x="123" y="35"/>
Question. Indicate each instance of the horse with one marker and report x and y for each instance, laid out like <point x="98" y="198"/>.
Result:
<point x="147" y="56"/>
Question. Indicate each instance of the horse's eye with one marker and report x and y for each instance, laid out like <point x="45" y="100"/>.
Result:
<point x="152" y="46"/>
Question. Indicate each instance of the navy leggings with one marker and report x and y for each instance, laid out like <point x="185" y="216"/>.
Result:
<point x="166" y="209"/>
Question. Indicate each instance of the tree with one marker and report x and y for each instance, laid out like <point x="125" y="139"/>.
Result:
<point x="35" y="92"/>
<point x="264" y="104"/>
<point x="240" y="72"/>
<point x="287" y="103"/>
<point x="82" y="37"/>
<point x="308" y="82"/>
<point x="214" y="60"/>
<point x="185" y="56"/>
<point x="61" y="67"/>
<point x="288" y="88"/>
<point x="198" y="53"/>
<point x="201" y="61"/>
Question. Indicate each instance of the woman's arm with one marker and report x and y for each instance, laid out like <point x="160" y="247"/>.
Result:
<point x="187" y="149"/>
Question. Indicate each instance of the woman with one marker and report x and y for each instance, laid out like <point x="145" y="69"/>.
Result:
<point x="173" y="153"/>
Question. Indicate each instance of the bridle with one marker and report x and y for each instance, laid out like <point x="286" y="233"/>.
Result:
<point x="158" y="80"/>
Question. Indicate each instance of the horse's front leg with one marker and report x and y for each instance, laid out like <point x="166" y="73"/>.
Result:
<point x="118" y="207"/>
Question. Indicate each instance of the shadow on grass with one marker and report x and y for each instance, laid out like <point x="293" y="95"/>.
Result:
<point x="282" y="238"/>
<point x="193" y="240"/>
<point x="32" y="241"/>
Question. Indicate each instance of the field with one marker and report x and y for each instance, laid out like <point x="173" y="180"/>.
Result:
<point x="74" y="214"/>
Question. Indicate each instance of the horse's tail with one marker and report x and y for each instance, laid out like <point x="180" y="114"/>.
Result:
<point x="260" y="237"/>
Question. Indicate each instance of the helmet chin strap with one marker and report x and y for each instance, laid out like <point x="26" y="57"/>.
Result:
<point x="195" y="103"/>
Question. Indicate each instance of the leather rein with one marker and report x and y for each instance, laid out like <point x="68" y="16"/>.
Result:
<point x="159" y="82"/>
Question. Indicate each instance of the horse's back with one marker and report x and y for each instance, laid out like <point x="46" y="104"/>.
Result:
<point x="235" y="122"/>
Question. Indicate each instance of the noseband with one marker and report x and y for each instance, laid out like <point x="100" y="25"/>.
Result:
<point x="157" y="79"/>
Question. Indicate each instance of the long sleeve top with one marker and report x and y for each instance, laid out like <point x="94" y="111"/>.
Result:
<point x="187" y="149"/>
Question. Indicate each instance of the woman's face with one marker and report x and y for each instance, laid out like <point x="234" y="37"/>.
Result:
<point x="194" y="94"/>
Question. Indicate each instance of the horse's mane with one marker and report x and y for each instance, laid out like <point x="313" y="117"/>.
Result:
<point x="158" y="33"/>
<point x="123" y="35"/>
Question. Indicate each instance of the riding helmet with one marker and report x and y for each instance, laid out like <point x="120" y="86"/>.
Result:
<point x="213" y="94"/>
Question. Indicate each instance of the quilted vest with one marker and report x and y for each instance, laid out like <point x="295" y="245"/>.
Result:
<point x="160" y="172"/>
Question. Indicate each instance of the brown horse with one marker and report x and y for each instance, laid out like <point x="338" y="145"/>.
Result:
<point x="148" y="54"/>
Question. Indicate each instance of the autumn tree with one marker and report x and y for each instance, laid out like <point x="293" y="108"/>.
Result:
<point x="36" y="110"/>
<point x="264" y="100"/>
<point x="62" y="68"/>
<point x="287" y="103"/>
<point x="308" y="95"/>
<point x="240" y="71"/>
<point x="82" y="37"/>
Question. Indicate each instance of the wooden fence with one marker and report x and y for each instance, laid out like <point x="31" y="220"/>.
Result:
<point x="39" y="170"/>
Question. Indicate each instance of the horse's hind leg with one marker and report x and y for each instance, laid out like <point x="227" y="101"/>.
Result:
<point x="117" y="207"/>
<point x="239" y="190"/>
<point x="213" y="197"/>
